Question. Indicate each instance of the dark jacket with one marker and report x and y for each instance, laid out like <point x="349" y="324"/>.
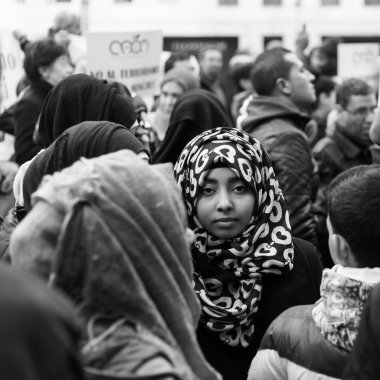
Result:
<point x="309" y="351"/>
<point x="280" y="126"/>
<point x="26" y="114"/>
<point x="333" y="155"/>
<point x="363" y="363"/>
<point x="7" y="120"/>
<point x="337" y="153"/>
<point x="297" y="287"/>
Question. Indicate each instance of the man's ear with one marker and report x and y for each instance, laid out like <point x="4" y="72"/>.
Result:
<point x="283" y="86"/>
<point x="341" y="252"/>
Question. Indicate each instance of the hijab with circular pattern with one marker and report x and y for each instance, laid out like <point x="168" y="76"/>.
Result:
<point x="228" y="272"/>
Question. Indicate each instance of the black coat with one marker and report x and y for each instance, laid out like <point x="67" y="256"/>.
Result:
<point x="26" y="114"/>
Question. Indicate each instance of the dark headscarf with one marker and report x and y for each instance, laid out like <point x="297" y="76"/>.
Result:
<point x="39" y="332"/>
<point x="88" y="139"/>
<point x="195" y="112"/>
<point x="228" y="272"/>
<point x="121" y="249"/>
<point x="80" y="98"/>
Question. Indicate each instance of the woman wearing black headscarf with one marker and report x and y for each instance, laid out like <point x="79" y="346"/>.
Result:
<point x="80" y="98"/>
<point x="88" y="139"/>
<point x="39" y="331"/>
<point x="194" y="112"/>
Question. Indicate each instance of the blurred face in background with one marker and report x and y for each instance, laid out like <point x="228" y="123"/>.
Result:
<point x="57" y="71"/>
<point x="170" y="92"/>
<point x="356" y="118"/>
<point x="211" y="63"/>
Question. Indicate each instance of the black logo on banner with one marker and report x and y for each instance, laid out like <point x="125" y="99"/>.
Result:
<point x="129" y="47"/>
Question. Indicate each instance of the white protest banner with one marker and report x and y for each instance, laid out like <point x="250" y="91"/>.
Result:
<point x="132" y="58"/>
<point x="11" y="66"/>
<point x="359" y="60"/>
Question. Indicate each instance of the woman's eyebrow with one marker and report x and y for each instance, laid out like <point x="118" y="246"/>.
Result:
<point x="235" y="179"/>
<point x="210" y="180"/>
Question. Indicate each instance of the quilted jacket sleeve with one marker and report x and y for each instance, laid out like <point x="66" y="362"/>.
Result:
<point x="294" y="168"/>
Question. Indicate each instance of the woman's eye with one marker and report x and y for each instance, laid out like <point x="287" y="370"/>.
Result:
<point x="240" y="189"/>
<point x="207" y="191"/>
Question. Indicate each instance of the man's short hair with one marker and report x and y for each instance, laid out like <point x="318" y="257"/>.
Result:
<point x="41" y="53"/>
<point x="174" y="57"/>
<point x="352" y="86"/>
<point x="267" y="68"/>
<point x="353" y="200"/>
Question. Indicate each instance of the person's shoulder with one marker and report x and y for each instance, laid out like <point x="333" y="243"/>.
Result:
<point x="295" y="337"/>
<point x="306" y="256"/>
<point x="305" y="249"/>
<point x="326" y="144"/>
<point x="27" y="100"/>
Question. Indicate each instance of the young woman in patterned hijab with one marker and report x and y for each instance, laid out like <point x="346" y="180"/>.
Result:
<point x="242" y="234"/>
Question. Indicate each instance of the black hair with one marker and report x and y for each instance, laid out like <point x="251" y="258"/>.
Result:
<point x="241" y="71"/>
<point x="352" y="86"/>
<point x="174" y="57"/>
<point x="353" y="202"/>
<point x="324" y="85"/>
<point x="39" y="54"/>
<point x="267" y="68"/>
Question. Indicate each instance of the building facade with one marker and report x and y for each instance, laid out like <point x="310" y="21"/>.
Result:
<point x="252" y="22"/>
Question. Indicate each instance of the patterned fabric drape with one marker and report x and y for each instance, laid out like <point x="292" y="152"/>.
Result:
<point x="227" y="273"/>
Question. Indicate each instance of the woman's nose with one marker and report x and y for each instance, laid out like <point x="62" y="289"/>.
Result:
<point x="224" y="202"/>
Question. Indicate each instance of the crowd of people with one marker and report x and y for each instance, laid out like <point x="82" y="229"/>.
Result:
<point x="229" y="232"/>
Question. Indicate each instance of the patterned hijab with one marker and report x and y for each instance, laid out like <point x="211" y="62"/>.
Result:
<point x="227" y="272"/>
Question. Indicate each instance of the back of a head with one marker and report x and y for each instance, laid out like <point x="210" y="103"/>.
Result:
<point x="88" y="139"/>
<point x="39" y="54"/>
<point x="78" y="98"/>
<point x="350" y="87"/>
<point x="194" y="112"/>
<point x="268" y="67"/>
<point x="39" y="331"/>
<point x="354" y="211"/>
<point x="121" y="249"/>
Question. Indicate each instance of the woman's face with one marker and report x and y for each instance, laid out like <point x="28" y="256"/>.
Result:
<point x="225" y="205"/>
<point x="57" y="71"/>
<point x="170" y="92"/>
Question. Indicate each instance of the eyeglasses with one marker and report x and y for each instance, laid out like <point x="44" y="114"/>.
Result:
<point x="363" y="112"/>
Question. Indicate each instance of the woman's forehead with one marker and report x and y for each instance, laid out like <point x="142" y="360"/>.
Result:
<point x="221" y="173"/>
